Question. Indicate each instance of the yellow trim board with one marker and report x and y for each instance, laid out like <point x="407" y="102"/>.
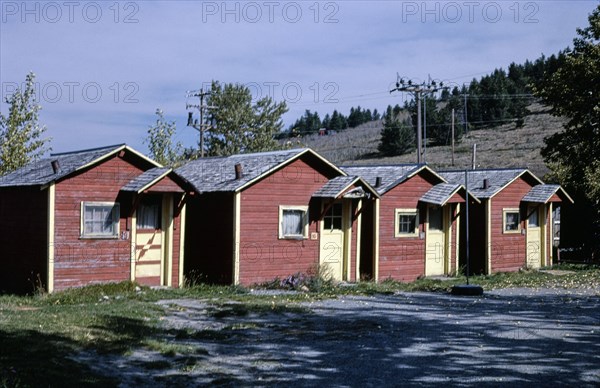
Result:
<point x="358" y="238"/>
<point x="51" y="221"/>
<point x="181" y="243"/>
<point x="236" y="237"/>
<point x="376" y="241"/>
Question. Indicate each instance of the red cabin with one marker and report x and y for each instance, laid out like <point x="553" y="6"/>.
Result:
<point x="101" y="215"/>
<point x="512" y="226"/>
<point x="416" y="222"/>
<point x="269" y="215"/>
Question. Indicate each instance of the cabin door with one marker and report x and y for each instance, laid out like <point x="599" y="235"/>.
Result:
<point x="332" y="241"/>
<point x="149" y="254"/>
<point x="435" y="241"/>
<point x="534" y="237"/>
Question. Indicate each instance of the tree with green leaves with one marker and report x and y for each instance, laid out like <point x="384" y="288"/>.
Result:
<point x="239" y="124"/>
<point x="160" y="141"/>
<point x="397" y="137"/>
<point x="21" y="135"/>
<point x="573" y="155"/>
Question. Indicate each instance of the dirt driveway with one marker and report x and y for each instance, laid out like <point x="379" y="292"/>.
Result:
<point x="513" y="336"/>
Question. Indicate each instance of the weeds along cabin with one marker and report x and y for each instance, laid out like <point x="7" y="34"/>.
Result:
<point x="415" y="223"/>
<point x="269" y="215"/>
<point x="101" y="215"/>
<point x="512" y="226"/>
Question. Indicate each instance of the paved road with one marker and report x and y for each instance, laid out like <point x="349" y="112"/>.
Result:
<point x="517" y="337"/>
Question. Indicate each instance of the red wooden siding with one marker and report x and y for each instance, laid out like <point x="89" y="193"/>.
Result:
<point x="176" y="240"/>
<point x="263" y="256"/>
<point x="79" y="261"/>
<point x="167" y="184"/>
<point x="508" y="250"/>
<point x="402" y="258"/>
<point x="23" y="238"/>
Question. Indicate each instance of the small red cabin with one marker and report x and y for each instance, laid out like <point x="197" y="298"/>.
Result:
<point x="512" y="226"/>
<point x="101" y="215"/>
<point x="269" y="215"/>
<point x="415" y="223"/>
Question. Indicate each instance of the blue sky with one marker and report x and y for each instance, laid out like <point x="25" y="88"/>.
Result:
<point x="104" y="67"/>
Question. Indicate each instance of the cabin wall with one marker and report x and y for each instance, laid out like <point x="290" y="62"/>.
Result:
<point x="80" y="261"/>
<point x="508" y="250"/>
<point x="23" y="239"/>
<point x="402" y="258"/>
<point x="176" y="239"/>
<point x="453" y="238"/>
<point x="263" y="256"/>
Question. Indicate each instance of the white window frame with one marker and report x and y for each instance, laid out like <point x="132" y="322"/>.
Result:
<point x="115" y="216"/>
<point x="406" y="212"/>
<point x="504" y="214"/>
<point x="304" y="234"/>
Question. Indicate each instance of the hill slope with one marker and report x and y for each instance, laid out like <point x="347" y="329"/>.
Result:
<point x="502" y="146"/>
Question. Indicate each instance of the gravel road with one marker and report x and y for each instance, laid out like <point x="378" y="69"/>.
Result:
<point x="521" y="337"/>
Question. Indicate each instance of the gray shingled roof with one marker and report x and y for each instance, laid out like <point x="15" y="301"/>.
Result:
<point x="497" y="179"/>
<point x="334" y="187"/>
<point x="138" y="183"/>
<point x="218" y="173"/>
<point x="542" y="193"/>
<point x="390" y="176"/>
<point x="40" y="172"/>
<point x="440" y="193"/>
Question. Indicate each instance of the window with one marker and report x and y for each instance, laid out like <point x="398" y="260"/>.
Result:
<point x="293" y="222"/>
<point x="407" y="223"/>
<point x="436" y="218"/>
<point x="533" y="220"/>
<point x="99" y="219"/>
<point x="333" y="217"/>
<point x="512" y="221"/>
<point x="148" y="214"/>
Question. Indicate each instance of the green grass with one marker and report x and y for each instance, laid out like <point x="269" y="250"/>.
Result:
<point x="39" y="335"/>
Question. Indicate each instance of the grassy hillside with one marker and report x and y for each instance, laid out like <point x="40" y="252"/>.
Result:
<point x="502" y="146"/>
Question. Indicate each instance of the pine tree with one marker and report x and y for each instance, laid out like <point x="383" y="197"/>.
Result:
<point x="397" y="138"/>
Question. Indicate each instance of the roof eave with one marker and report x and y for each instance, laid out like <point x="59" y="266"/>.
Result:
<point x="285" y="163"/>
<point x="113" y="152"/>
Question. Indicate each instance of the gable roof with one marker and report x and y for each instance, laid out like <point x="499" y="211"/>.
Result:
<point x="146" y="179"/>
<point x="40" y="172"/>
<point x="543" y="193"/>
<point x="337" y="186"/>
<point x="391" y="175"/>
<point x="217" y="174"/>
<point x="498" y="179"/>
<point x="441" y="193"/>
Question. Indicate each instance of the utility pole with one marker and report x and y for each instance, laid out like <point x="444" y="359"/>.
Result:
<point x="466" y="117"/>
<point x="452" y="137"/>
<point x="201" y="126"/>
<point x="418" y="91"/>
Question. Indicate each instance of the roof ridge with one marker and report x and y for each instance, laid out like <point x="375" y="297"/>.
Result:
<point x="486" y="169"/>
<point x="386" y="165"/>
<point x="88" y="150"/>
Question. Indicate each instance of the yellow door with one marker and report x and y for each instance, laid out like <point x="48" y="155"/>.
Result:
<point x="332" y="242"/>
<point x="534" y="238"/>
<point x="435" y="242"/>
<point x="149" y="252"/>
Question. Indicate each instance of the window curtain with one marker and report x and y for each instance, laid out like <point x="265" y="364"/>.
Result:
<point x="292" y="222"/>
